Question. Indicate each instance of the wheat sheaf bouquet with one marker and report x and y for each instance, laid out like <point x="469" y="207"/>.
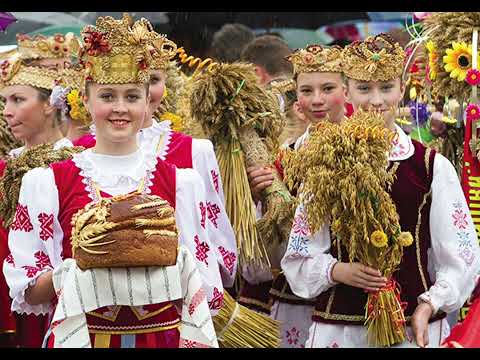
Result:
<point x="343" y="176"/>
<point x="244" y="122"/>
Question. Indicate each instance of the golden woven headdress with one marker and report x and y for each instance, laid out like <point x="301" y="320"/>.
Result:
<point x="377" y="58"/>
<point x="161" y="48"/>
<point x="315" y="58"/>
<point x="14" y="71"/>
<point x="117" y="51"/>
<point x="52" y="47"/>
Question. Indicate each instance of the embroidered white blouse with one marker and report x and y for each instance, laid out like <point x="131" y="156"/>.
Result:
<point x="453" y="259"/>
<point x="205" y="162"/>
<point x="157" y="138"/>
<point x="31" y="255"/>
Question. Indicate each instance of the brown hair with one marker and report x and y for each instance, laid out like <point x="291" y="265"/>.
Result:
<point x="229" y="41"/>
<point x="270" y="52"/>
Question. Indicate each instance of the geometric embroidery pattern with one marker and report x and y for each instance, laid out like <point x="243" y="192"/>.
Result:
<point x="190" y="344"/>
<point x="22" y="220"/>
<point x="229" y="258"/>
<point x="213" y="211"/>
<point x="300" y="224"/>
<point x="46" y="226"/>
<point x="9" y="259"/>
<point x="217" y="300"/>
<point x="459" y="219"/>
<point x="293" y="336"/>
<point x="42" y="260"/>
<point x="31" y="270"/>
<point x="201" y="249"/>
<point x="215" y="179"/>
<point x="203" y="213"/>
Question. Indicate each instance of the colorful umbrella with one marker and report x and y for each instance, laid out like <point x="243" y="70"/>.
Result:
<point x="6" y="19"/>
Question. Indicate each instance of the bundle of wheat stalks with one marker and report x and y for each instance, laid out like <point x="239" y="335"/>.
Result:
<point x="239" y="327"/>
<point x="343" y="177"/>
<point x="244" y="122"/>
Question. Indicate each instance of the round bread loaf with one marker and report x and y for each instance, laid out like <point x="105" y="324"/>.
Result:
<point x="125" y="231"/>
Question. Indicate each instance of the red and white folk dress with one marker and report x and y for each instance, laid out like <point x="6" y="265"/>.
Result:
<point x="40" y="236"/>
<point x="187" y="153"/>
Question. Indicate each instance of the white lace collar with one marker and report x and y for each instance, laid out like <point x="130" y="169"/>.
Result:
<point x="109" y="172"/>
<point x="156" y="138"/>
<point x="148" y="137"/>
<point x="402" y="146"/>
<point x="154" y="131"/>
<point x="63" y="142"/>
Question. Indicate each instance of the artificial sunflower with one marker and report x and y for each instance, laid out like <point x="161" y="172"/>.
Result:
<point x="458" y="60"/>
<point x="405" y="238"/>
<point x="432" y="60"/>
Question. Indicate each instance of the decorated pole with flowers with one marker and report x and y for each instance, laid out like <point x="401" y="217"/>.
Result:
<point x="343" y="176"/>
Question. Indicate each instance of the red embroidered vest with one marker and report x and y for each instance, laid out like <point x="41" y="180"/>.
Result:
<point x="72" y="197"/>
<point x="412" y="197"/>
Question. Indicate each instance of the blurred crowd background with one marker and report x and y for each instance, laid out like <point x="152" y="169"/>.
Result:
<point x="197" y="31"/>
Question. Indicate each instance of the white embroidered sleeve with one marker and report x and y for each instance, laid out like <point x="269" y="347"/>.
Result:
<point x="307" y="264"/>
<point x="455" y="253"/>
<point x="191" y="217"/>
<point x="220" y="230"/>
<point x="35" y="238"/>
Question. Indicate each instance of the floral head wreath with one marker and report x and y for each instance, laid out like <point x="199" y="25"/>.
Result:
<point x="117" y="51"/>
<point x="377" y="58"/>
<point x="315" y="58"/>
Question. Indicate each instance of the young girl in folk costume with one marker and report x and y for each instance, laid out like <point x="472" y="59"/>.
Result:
<point x="157" y="137"/>
<point x="320" y="94"/>
<point x="436" y="273"/>
<point x="26" y="81"/>
<point x="116" y="95"/>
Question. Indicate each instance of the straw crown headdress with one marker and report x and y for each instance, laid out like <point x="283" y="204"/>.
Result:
<point x="16" y="71"/>
<point x="315" y="58"/>
<point x="117" y="51"/>
<point x="377" y="58"/>
<point x="42" y="47"/>
<point x="161" y="48"/>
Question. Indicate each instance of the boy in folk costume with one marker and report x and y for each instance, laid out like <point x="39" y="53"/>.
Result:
<point x="435" y="274"/>
<point x="39" y="269"/>
<point x="26" y="82"/>
<point x="320" y="94"/>
<point x="158" y="138"/>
